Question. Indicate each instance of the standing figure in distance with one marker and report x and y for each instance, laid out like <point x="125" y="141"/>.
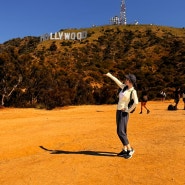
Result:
<point x="144" y="99"/>
<point x="183" y="97"/>
<point x="163" y="95"/>
<point x="122" y="113"/>
<point x="177" y="97"/>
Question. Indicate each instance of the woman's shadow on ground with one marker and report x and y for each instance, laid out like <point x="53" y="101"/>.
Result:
<point x="84" y="152"/>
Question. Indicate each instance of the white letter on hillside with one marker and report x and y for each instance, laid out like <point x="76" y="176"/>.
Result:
<point x="84" y="34"/>
<point x="51" y="36"/>
<point x="60" y="35"/>
<point x="56" y="38"/>
<point x="73" y="35"/>
<point x="67" y="36"/>
<point x="44" y="37"/>
<point x="79" y="35"/>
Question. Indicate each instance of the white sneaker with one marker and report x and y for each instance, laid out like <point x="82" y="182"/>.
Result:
<point x="129" y="153"/>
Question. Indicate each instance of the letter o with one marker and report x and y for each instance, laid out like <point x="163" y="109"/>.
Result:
<point x="79" y="35"/>
<point x="73" y="36"/>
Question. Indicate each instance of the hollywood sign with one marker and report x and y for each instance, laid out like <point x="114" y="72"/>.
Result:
<point x="64" y="36"/>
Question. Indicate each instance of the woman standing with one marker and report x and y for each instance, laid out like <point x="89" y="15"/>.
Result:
<point x="122" y="114"/>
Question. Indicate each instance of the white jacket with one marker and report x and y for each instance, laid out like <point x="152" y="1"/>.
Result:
<point x="124" y="97"/>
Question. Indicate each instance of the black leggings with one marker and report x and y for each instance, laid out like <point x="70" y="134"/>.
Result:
<point x="122" y="120"/>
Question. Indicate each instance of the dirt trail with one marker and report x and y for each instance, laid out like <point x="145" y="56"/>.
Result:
<point x="77" y="145"/>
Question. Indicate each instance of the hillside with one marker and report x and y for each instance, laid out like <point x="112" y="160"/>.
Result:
<point x="69" y="72"/>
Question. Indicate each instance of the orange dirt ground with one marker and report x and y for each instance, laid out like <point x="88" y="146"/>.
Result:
<point x="77" y="145"/>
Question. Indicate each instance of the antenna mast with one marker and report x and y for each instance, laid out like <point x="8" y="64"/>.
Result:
<point x="123" y="19"/>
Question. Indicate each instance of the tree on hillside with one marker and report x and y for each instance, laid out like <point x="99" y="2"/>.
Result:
<point x="7" y="90"/>
<point x="9" y="77"/>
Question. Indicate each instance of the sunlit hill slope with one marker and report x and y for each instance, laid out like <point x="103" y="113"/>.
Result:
<point x="70" y="72"/>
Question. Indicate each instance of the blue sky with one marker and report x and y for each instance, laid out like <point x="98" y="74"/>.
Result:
<point x="21" y="18"/>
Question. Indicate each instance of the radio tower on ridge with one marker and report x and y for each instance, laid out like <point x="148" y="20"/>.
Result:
<point x="123" y="19"/>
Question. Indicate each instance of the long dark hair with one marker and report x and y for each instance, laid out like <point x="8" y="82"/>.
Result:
<point x="135" y="85"/>
<point x="125" y="88"/>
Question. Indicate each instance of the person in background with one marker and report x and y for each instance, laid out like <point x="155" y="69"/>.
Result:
<point x="183" y="97"/>
<point x="122" y="113"/>
<point x="143" y="100"/>
<point x="163" y="95"/>
<point x="177" y="96"/>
